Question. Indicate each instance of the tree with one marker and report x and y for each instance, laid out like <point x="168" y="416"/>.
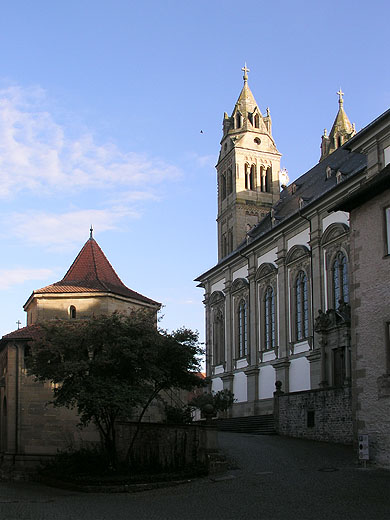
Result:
<point x="220" y="401"/>
<point x="107" y="366"/>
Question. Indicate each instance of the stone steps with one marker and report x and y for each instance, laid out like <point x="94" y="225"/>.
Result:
<point x="256" y="424"/>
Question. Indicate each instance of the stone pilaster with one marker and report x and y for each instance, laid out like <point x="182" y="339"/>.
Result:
<point x="281" y="367"/>
<point x="252" y="381"/>
<point x="282" y="301"/>
<point x="229" y="343"/>
<point x="253" y="347"/>
<point x="227" y="380"/>
<point x="316" y="271"/>
<point x="314" y="359"/>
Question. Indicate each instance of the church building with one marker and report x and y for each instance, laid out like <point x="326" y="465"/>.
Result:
<point x="30" y="429"/>
<point x="278" y="301"/>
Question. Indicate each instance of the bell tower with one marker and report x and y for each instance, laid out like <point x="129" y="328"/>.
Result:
<point x="247" y="171"/>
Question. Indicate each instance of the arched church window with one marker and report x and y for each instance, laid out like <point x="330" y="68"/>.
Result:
<point x="238" y="120"/>
<point x="223" y="186"/>
<point x="257" y="121"/>
<point x="229" y="181"/>
<point x="247" y="175"/>
<point x="242" y="329"/>
<point x="252" y="177"/>
<point x="301" y="307"/>
<point x="218" y="339"/>
<point x="269" y="318"/>
<point x="340" y="280"/>
<point x="268" y="179"/>
<point x="72" y="312"/>
<point x="339" y="141"/>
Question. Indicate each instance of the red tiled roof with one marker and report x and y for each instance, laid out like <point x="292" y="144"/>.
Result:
<point x="92" y="272"/>
<point x="26" y="333"/>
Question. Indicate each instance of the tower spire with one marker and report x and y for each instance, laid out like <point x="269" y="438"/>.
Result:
<point x="91" y="232"/>
<point x="341" y="131"/>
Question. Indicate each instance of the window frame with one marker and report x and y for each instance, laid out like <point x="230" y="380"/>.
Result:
<point x="242" y="328"/>
<point x="301" y="306"/>
<point x="342" y="275"/>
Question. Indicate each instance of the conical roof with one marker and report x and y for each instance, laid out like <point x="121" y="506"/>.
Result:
<point x="92" y="272"/>
<point x="246" y="102"/>
<point x="341" y="124"/>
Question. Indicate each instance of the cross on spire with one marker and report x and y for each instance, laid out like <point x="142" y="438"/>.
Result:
<point x="245" y="70"/>
<point x="341" y="94"/>
<point x="91" y="232"/>
<point x="18" y="323"/>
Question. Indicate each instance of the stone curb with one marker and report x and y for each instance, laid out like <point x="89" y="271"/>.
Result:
<point x="111" y="488"/>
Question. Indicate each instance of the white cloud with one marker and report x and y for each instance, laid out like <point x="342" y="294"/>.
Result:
<point x="18" y="276"/>
<point x="37" y="153"/>
<point x="204" y="160"/>
<point x="59" y="231"/>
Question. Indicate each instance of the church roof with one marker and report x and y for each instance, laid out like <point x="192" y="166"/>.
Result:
<point x="310" y="187"/>
<point x="25" y="333"/>
<point x="92" y="272"/>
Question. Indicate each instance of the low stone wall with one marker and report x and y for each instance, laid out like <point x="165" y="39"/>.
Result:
<point x="166" y="446"/>
<point x="323" y="415"/>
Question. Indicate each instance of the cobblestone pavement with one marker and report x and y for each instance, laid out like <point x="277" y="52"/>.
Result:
<point x="270" y="478"/>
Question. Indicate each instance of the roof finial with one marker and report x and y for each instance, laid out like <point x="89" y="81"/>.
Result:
<point x="341" y="94"/>
<point x="91" y="232"/>
<point x="245" y="70"/>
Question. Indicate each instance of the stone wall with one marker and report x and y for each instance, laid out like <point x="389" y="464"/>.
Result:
<point x="166" y="446"/>
<point x="323" y="415"/>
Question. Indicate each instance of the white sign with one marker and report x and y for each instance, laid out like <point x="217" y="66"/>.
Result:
<point x="363" y="447"/>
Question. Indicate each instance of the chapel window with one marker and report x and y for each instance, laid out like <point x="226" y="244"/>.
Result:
<point x="301" y="307"/>
<point x="269" y="318"/>
<point x="72" y="312"/>
<point x="257" y="121"/>
<point x="252" y="177"/>
<point x="238" y="120"/>
<point x="340" y="280"/>
<point x="242" y="329"/>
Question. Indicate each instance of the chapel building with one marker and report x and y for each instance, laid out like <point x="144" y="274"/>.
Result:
<point x="30" y="428"/>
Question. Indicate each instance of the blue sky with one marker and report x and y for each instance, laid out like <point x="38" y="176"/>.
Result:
<point x="101" y="108"/>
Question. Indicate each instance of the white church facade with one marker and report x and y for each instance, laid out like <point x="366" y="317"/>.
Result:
<point x="277" y="301"/>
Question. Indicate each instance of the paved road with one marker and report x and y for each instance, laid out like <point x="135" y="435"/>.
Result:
<point x="270" y="478"/>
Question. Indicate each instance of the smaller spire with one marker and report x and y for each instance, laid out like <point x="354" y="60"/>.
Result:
<point x="245" y="70"/>
<point x="91" y="232"/>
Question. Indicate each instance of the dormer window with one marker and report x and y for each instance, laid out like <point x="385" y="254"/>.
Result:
<point x="293" y="188"/>
<point x="238" y="120"/>
<point x="328" y="172"/>
<point x="339" y="176"/>
<point x="301" y="202"/>
<point x="72" y="312"/>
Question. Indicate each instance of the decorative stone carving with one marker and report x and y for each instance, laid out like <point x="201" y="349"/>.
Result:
<point x="297" y="252"/>
<point x="334" y="231"/>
